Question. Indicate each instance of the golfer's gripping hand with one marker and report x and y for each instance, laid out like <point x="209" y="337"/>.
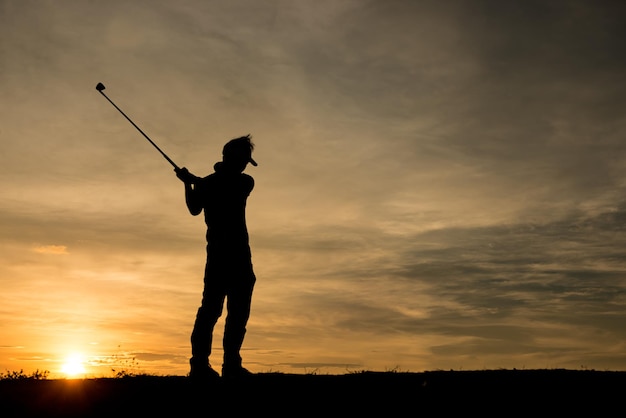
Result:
<point x="185" y="175"/>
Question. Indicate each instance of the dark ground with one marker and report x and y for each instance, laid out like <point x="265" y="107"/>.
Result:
<point x="502" y="393"/>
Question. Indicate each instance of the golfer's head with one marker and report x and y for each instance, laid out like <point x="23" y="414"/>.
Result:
<point x="238" y="152"/>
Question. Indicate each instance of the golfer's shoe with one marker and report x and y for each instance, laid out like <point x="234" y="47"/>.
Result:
<point x="203" y="374"/>
<point x="235" y="372"/>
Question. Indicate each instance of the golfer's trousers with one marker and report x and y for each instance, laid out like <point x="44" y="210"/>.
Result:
<point x="233" y="283"/>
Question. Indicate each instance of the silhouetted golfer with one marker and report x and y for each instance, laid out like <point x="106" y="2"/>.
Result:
<point x="228" y="273"/>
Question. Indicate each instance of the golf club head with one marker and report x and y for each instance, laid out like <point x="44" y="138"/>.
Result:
<point x="100" y="87"/>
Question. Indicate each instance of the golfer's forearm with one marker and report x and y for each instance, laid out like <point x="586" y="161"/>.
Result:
<point x="191" y="199"/>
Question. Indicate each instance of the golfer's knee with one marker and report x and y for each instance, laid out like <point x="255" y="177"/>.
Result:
<point x="208" y="316"/>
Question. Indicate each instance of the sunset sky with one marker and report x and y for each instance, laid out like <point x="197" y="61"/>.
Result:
<point x="441" y="184"/>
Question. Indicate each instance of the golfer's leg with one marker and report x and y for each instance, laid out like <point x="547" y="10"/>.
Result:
<point x="238" y="304"/>
<point x="206" y="318"/>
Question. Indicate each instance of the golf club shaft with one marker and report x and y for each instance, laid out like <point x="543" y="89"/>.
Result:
<point x="139" y="129"/>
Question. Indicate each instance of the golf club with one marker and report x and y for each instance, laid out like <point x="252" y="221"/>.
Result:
<point x="100" y="87"/>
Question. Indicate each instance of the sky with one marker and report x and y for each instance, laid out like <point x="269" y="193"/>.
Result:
<point x="440" y="184"/>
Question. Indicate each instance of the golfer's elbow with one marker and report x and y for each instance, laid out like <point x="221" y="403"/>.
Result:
<point x="195" y="211"/>
<point x="194" y="204"/>
<point x="193" y="207"/>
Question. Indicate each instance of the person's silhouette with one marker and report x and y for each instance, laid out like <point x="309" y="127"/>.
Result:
<point x="228" y="274"/>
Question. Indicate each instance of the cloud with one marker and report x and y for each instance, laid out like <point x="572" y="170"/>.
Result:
<point x="51" y="249"/>
<point x="522" y="289"/>
<point x="315" y="366"/>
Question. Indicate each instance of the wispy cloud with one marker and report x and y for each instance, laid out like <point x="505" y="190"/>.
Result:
<point x="51" y="249"/>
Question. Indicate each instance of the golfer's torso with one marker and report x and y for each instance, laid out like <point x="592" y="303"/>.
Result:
<point x="224" y="202"/>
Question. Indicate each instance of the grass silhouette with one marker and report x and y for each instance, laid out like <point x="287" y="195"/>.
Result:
<point x="391" y="393"/>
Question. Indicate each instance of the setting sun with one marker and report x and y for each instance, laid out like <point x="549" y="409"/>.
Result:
<point x="73" y="366"/>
